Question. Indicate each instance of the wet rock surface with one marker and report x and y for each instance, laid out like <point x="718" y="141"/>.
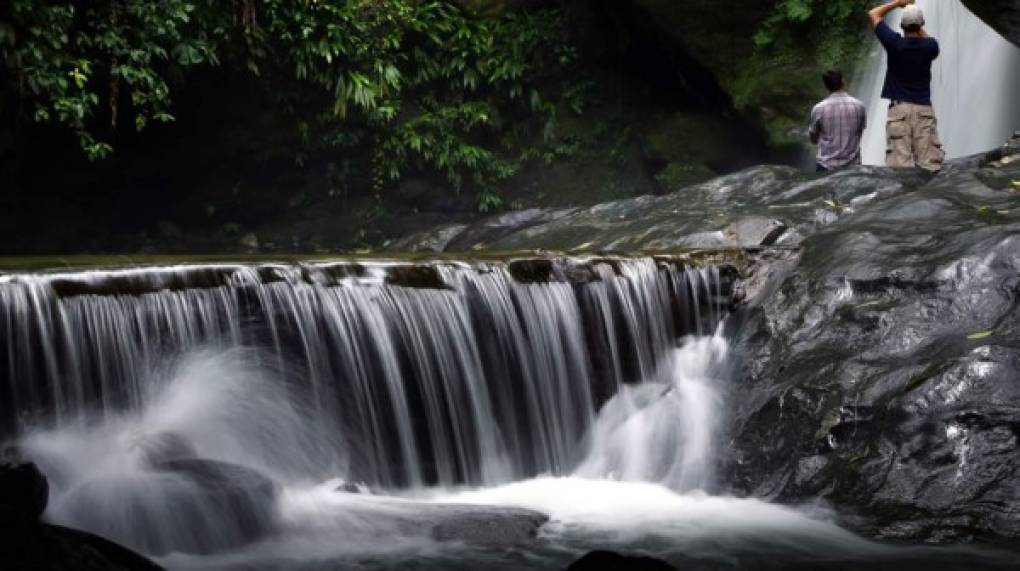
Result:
<point x="882" y="373"/>
<point x="761" y="206"/>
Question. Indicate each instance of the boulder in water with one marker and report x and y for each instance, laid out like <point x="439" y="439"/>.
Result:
<point x="487" y="525"/>
<point x="154" y="449"/>
<point x="352" y="488"/>
<point x="38" y="546"/>
<point x="611" y="561"/>
<point x="24" y="490"/>
<point x="245" y="496"/>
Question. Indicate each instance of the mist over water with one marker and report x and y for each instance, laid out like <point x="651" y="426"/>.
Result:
<point x="975" y="82"/>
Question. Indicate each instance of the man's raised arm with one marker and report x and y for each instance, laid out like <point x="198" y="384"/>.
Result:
<point x="877" y="14"/>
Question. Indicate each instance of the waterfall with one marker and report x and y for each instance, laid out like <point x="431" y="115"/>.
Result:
<point x="394" y="376"/>
<point x="397" y="375"/>
<point x="394" y="415"/>
<point x="975" y="83"/>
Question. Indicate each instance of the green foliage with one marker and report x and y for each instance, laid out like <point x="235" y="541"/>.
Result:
<point x="829" y="30"/>
<point x="70" y="59"/>
<point x="415" y="85"/>
<point x="792" y="19"/>
<point x="792" y="46"/>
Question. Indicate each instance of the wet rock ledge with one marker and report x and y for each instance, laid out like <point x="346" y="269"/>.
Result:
<point x="422" y="272"/>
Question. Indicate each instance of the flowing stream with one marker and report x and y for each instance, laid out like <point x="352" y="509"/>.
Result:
<point x="975" y="83"/>
<point x="398" y="415"/>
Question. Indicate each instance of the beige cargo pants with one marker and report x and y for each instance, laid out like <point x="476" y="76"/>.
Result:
<point x="912" y="138"/>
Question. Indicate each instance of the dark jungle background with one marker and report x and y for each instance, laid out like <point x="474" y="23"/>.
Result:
<point x="327" y="125"/>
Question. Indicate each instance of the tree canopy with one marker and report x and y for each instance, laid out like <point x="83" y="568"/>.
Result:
<point x="421" y="83"/>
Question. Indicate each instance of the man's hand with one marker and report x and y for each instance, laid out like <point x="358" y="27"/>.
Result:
<point x="877" y="14"/>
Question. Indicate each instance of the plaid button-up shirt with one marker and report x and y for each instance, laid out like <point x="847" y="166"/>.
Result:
<point x="838" y="123"/>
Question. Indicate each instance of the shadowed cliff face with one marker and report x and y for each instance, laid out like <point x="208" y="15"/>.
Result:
<point x="880" y="360"/>
<point x="1003" y="15"/>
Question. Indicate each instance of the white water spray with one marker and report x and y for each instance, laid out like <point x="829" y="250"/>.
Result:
<point x="664" y="430"/>
<point x="116" y="476"/>
<point x="975" y="83"/>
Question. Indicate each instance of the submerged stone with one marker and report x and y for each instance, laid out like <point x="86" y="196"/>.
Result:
<point x="155" y="449"/>
<point x="487" y="525"/>
<point x="24" y="490"/>
<point x="611" y="561"/>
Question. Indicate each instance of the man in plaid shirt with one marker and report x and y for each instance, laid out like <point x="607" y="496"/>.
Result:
<point x="837" y="124"/>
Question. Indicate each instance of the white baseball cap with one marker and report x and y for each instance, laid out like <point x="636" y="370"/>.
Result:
<point x="912" y="15"/>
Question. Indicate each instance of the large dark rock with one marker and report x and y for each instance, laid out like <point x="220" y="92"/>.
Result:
<point x="35" y="546"/>
<point x="24" y="490"/>
<point x="1003" y="15"/>
<point x="158" y="448"/>
<point x="882" y="372"/>
<point x="611" y="561"/>
<point x="26" y="543"/>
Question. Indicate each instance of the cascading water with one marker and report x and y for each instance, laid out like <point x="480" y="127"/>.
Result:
<point x="678" y="410"/>
<point x="396" y="375"/>
<point x="975" y="82"/>
<point x="362" y="415"/>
